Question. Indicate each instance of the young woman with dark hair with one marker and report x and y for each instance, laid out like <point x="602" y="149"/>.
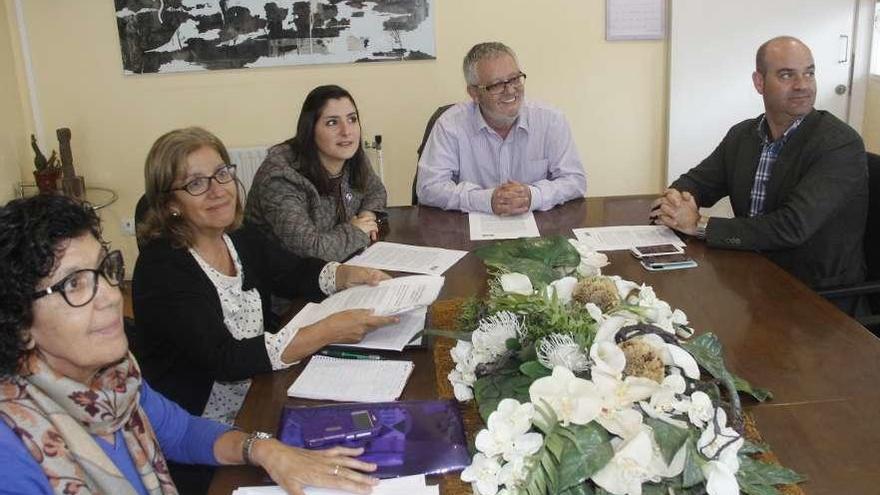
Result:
<point x="316" y="193"/>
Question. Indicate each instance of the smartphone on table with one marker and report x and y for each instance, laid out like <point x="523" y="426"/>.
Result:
<point x="658" y="250"/>
<point x="667" y="262"/>
<point x="342" y="427"/>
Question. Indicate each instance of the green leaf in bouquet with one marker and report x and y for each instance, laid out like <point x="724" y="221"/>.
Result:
<point x="550" y="471"/>
<point x="754" y="473"/>
<point x="542" y="259"/>
<point x="706" y="349"/>
<point x="489" y="390"/>
<point x="750" y="447"/>
<point x="693" y="473"/>
<point x="655" y="489"/>
<point x="555" y="444"/>
<point x="589" y="448"/>
<point x="582" y="489"/>
<point x="758" y="489"/>
<point x="534" y="370"/>
<point x="669" y="438"/>
<point x="760" y="394"/>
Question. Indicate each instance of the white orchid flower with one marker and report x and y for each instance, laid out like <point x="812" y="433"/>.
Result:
<point x="679" y="317"/>
<point x="591" y="265"/>
<point x="507" y="433"/>
<point x="700" y="409"/>
<point x="595" y="312"/>
<point x="516" y="283"/>
<point x="483" y="474"/>
<point x="664" y="401"/>
<point x="563" y="287"/>
<point x="630" y="466"/>
<point x="607" y="358"/>
<point x="561" y="350"/>
<point x="721" y="442"/>
<point x="617" y="414"/>
<point x="665" y="397"/>
<point x="720" y="480"/>
<point x="591" y="261"/>
<point x="514" y="473"/>
<point x="624" y="287"/>
<point x="608" y="329"/>
<point x="461" y="386"/>
<point x="461" y="353"/>
<point x="573" y="399"/>
<point x="683" y="359"/>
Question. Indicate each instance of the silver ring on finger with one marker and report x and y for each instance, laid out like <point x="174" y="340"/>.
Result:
<point x="336" y="470"/>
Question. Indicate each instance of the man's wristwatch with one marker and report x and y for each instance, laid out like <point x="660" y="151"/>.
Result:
<point x="249" y="442"/>
<point x="701" y="227"/>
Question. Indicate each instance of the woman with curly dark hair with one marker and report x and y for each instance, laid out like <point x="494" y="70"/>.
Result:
<point x="77" y="417"/>
<point x="316" y="193"/>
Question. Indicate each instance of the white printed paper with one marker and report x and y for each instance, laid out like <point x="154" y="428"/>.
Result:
<point x="406" y="258"/>
<point x="405" y="485"/>
<point x="485" y="226"/>
<point x="626" y="237"/>
<point x="390" y="297"/>
<point x="390" y="337"/>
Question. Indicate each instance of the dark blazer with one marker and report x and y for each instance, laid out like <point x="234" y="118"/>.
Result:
<point x="182" y="345"/>
<point x="816" y="205"/>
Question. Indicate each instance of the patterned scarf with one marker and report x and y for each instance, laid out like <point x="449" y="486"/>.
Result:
<point x="55" y="418"/>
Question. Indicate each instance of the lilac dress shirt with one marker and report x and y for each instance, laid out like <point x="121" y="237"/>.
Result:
<point x="464" y="159"/>
<point x="182" y="437"/>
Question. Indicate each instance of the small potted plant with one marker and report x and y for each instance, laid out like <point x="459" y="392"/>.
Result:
<point x="47" y="171"/>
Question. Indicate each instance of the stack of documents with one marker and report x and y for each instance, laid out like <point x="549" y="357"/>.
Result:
<point x="406" y="258"/>
<point x="407" y="297"/>
<point x="407" y="485"/>
<point x="626" y="237"/>
<point x="356" y="380"/>
<point x="388" y="338"/>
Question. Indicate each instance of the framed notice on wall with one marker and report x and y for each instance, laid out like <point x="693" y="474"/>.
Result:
<point x="635" y="20"/>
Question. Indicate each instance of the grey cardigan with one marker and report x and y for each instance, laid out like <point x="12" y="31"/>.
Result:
<point x="286" y="206"/>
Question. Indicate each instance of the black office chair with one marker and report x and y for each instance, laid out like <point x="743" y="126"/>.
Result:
<point x="431" y="121"/>
<point x="870" y="288"/>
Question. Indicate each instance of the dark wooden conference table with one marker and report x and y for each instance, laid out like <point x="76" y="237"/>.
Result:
<point x="822" y="366"/>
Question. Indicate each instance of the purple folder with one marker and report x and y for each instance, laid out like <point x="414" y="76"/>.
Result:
<point x="409" y="437"/>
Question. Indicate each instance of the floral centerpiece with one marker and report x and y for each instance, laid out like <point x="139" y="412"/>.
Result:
<point x="591" y="384"/>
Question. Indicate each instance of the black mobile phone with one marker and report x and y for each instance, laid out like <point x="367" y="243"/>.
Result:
<point x="658" y="250"/>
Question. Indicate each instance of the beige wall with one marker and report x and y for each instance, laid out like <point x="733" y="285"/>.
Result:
<point x="13" y="137"/>
<point x="871" y="127"/>
<point x="614" y="94"/>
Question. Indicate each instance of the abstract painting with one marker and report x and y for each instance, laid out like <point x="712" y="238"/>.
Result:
<point x="191" y="35"/>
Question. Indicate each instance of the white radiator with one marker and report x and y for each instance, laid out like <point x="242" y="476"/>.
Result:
<point x="248" y="161"/>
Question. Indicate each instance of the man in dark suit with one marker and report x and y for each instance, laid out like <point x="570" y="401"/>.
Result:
<point x="796" y="177"/>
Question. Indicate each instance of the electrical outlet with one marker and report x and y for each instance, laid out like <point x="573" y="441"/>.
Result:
<point x="127" y="226"/>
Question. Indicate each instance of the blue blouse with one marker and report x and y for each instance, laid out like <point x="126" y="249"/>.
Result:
<point x="182" y="437"/>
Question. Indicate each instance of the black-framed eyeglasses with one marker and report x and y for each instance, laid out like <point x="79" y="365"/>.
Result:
<point x="497" y="88"/>
<point x="80" y="287"/>
<point x="200" y="185"/>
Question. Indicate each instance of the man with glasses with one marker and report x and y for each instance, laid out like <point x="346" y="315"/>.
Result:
<point x="499" y="153"/>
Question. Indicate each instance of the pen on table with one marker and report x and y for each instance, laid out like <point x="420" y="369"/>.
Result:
<point x="349" y="355"/>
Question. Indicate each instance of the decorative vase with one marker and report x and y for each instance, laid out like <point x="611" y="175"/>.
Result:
<point x="47" y="180"/>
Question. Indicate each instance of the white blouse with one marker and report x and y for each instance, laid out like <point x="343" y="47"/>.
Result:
<point x="243" y="317"/>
